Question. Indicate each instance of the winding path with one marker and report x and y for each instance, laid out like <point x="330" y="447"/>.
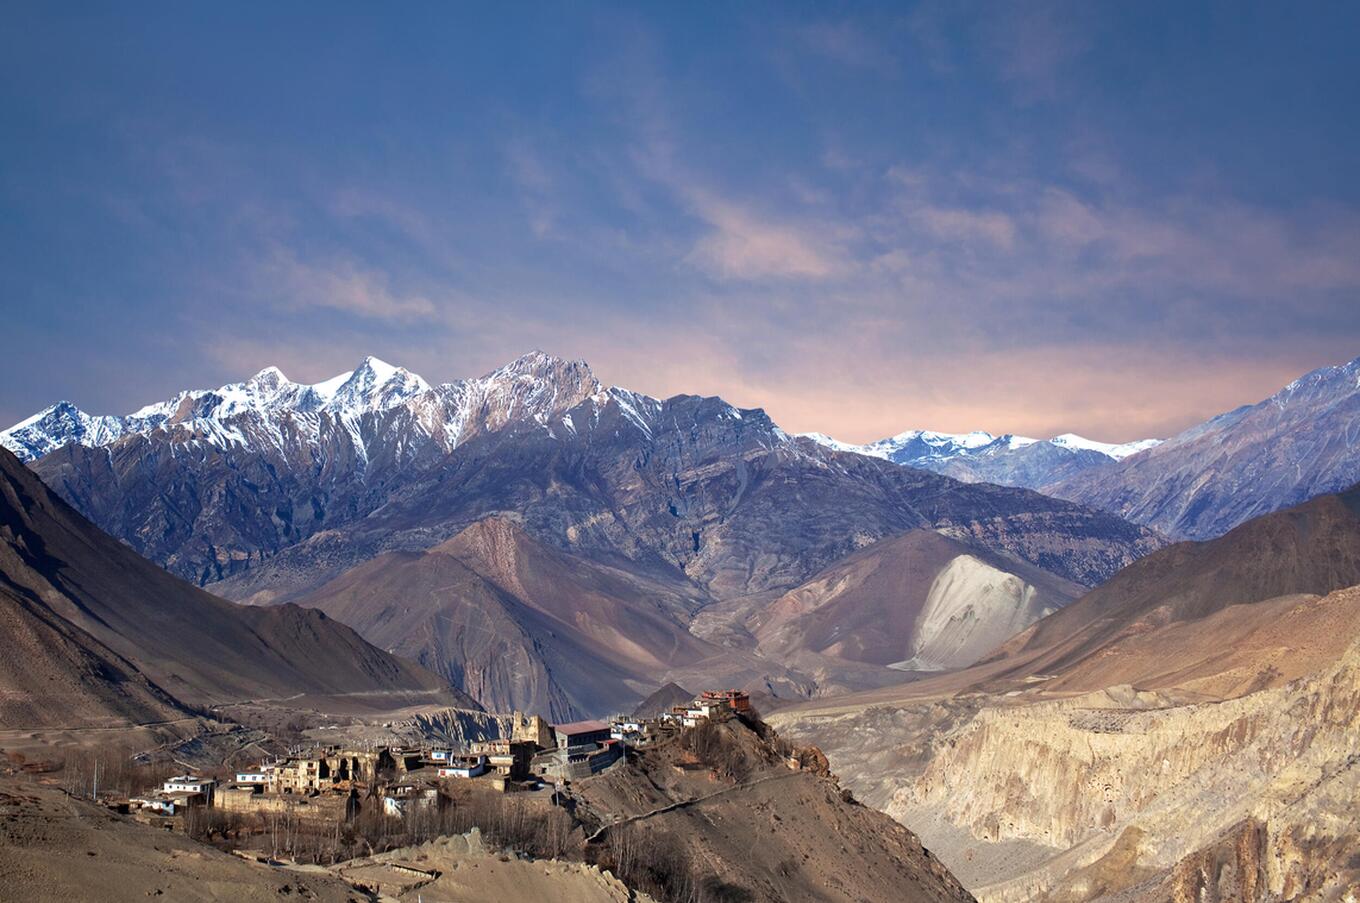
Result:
<point x="672" y="807"/>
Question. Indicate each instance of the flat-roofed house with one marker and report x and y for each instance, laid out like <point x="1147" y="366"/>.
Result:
<point x="258" y="777"/>
<point x="581" y="733"/>
<point x="463" y="767"/>
<point x="190" y="784"/>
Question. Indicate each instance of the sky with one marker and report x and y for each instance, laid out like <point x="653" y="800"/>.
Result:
<point x="1106" y="218"/>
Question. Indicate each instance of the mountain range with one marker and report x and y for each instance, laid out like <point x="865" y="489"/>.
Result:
<point x="688" y="513"/>
<point x="562" y="519"/>
<point x="1060" y="700"/>
<point x="980" y="457"/>
<point x="211" y="483"/>
<point x="1300" y="442"/>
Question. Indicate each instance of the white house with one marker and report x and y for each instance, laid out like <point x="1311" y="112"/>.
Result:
<point x="187" y="783"/>
<point x="463" y="767"/>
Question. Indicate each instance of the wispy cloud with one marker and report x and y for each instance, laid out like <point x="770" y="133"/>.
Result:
<point x="1027" y="237"/>
<point x="535" y="185"/>
<point x="849" y="43"/>
<point x="1034" y="43"/>
<point x="409" y="220"/>
<point x="339" y="284"/>
<point x="742" y="245"/>
<point x="959" y="224"/>
<point x="1029" y="47"/>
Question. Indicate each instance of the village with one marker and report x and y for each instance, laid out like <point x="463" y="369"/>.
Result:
<point x="335" y="783"/>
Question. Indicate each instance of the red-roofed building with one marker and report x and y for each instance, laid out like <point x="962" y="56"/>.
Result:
<point x="736" y="700"/>
<point x="581" y="733"/>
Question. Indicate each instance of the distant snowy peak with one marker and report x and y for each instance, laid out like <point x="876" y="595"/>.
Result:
<point x="1118" y="452"/>
<point x="837" y="445"/>
<point x="917" y="445"/>
<point x="372" y="386"/>
<point x="59" y="425"/>
<point x="535" y="387"/>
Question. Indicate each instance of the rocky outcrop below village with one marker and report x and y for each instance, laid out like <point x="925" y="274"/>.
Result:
<point x="1075" y="775"/>
<point x="1150" y="794"/>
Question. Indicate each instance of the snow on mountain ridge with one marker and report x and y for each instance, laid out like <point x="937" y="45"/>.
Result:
<point x="374" y="385"/>
<point x="536" y="387"/>
<point x="55" y="426"/>
<point x="944" y="446"/>
<point x="979" y="456"/>
<point x="1118" y="451"/>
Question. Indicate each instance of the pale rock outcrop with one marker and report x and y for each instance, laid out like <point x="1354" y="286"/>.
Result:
<point x="971" y="608"/>
<point x="1074" y="774"/>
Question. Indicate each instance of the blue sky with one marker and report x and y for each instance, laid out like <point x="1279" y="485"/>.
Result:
<point x="1115" y="219"/>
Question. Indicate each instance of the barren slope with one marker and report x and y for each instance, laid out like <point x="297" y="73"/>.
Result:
<point x="194" y="646"/>
<point x="54" y="848"/>
<point x="727" y="812"/>
<point x="1312" y="548"/>
<point x="472" y="872"/>
<point x="53" y="674"/>
<point x="519" y="625"/>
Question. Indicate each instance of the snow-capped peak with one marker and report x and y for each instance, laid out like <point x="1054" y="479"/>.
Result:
<point x="374" y="385"/>
<point x="326" y="389"/>
<point x="58" y="425"/>
<point x="975" y="439"/>
<point x="269" y="376"/>
<point x="1118" y="451"/>
<point x="934" y="450"/>
<point x="835" y="444"/>
<point x="923" y="444"/>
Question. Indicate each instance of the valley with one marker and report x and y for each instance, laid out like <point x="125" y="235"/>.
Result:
<point x="1114" y="744"/>
<point x="1062" y="705"/>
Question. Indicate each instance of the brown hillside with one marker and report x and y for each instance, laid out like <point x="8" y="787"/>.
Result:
<point x="55" y="675"/>
<point x="192" y="645"/>
<point x="1313" y="548"/>
<point x="717" y="813"/>
<point x="516" y="624"/>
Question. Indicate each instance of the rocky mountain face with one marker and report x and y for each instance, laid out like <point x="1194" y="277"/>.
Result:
<point x="1007" y="460"/>
<point x="1192" y="711"/>
<point x="213" y="484"/>
<point x="1173" y="779"/>
<point x="1302" y="441"/>
<point x="95" y="625"/>
<point x="270" y="491"/>
<point x="519" y="625"/>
